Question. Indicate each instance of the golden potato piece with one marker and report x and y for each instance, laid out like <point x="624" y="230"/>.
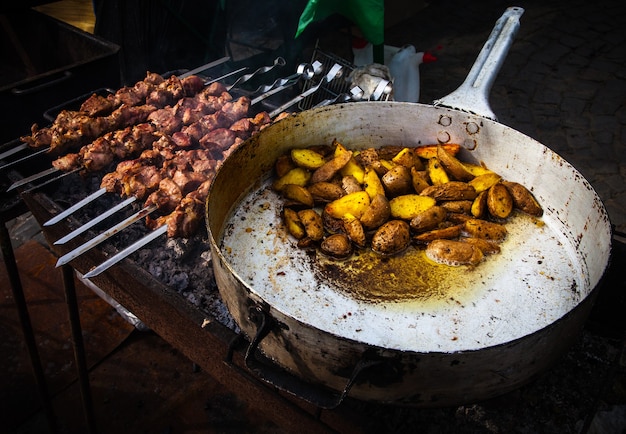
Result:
<point x="485" y="182"/>
<point x="354" y="229"/>
<point x="372" y="183"/>
<point x="325" y="191"/>
<point x="293" y="223"/>
<point x="298" y="194"/>
<point x="476" y="169"/>
<point x="523" y="199"/>
<point x="350" y="185"/>
<point x="312" y="222"/>
<point x="453" y="167"/>
<point x="377" y="213"/>
<point x="453" y="253"/>
<point x="408" y="206"/>
<point x="353" y="203"/>
<point x="453" y="190"/>
<point x="436" y="234"/>
<point x="457" y="206"/>
<point x="419" y="179"/>
<point x="307" y="158"/>
<point x="297" y="176"/>
<point x="430" y="151"/>
<point x="499" y="201"/>
<point x="409" y="159"/>
<point x="479" y="205"/>
<point x="392" y="237"/>
<point x="398" y="181"/>
<point x="353" y="168"/>
<point x="436" y="172"/>
<point x="429" y="219"/>
<point x="337" y="246"/>
<point x="483" y="229"/>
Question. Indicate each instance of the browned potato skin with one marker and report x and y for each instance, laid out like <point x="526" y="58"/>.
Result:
<point x="350" y="184"/>
<point x="479" y="206"/>
<point x="428" y="219"/>
<point x="453" y="166"/>
<point x="483" y="229"/>
<point x="283" y="165"/>
<point x="367" y="157"/>
<point x="354" y="230"/>
<point x="331" y="224"/>
<point x="453" y="190"/>
<point x="313" y="224"/>
<point x="330" y="168"/>
<point x="398" y="181"/>
<point x="392" y="237"/>
<point x="326" y="191"/>
<point x="523" y="199"/>
<point x="377" y="213"/>
<point x="486" y="246"/>
<point x="454" y="253"/>
<point x="298" y="194"/>
<point x="337" y="245"/>
<point x="458" y="206"/>
<point x="499" y="201"/>
<point x="443" y="233"/>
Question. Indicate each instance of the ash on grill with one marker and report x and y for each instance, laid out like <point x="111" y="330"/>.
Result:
<point x="182" y="264"/>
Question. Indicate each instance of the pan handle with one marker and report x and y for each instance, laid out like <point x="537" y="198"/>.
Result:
<point x="473" y="95"/>
<point x="283" y="380"/>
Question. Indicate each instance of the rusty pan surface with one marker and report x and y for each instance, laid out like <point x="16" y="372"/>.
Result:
<point x="542" y="273"/>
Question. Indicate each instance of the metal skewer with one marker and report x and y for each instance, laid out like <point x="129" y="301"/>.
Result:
<point x="105" y="235"/>
<point x="262" y="70"/>
<point x="205" y="67"/>
<point x="78" y="205"/>
<point x="32" y="178"/>
<point x="92" y="223"/>
<point x="19" y="160"/>
<point x="127" y="251"/>
<point x="12" y="151"/>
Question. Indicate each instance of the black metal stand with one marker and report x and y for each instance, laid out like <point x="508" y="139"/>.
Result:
<point x="27" y="328"/>
<point x="79" y="348"/>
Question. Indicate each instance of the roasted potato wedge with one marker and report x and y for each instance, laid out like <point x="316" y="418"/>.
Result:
<point x="283" y="164"/>
<point x="454" y="253"/>
<point x="392" y="237"/>
<point x="457" y="206"/>
<point x="408" y="206"/>
<point x="298" y="194"/>
<point x="523" y="199"/>
<point x="337" y="246"/>
<point x="453" y="167"/>
<point x="312" y="222"/>
<point x="354" y="169"/>
<point x="483" y="229"/>
<point x="377" y="213"/>
<point x="307" y="158"/>
<point x="350" y="185"/>
<point x="453" y="190"/>
<point x="479" y="205"/>
<point x="397" y="181"/>
<point x="293" y="223"/>
<point x="326" y="191"/>
<point x="329" y="169"/>
<point x="444" y="233"/>
<point x="354" y="229"/>
<point x="430" y="151"/>
<point x="419" y="179"/>
<point x="372" y="183"/>
<point x="477" y="169"/>
<point x="485" y="182"/>
<point x="486" y="246"/>
<point x="409" y="159"/>
<point x="296" y="176"/>
<point x="353" y="203"/>
<point x="429" y="219"/>
<point x="436" y="172"/>
<point x="499" y="201"/>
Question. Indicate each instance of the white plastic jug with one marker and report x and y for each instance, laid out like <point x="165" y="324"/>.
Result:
<point x="404" y="69"/>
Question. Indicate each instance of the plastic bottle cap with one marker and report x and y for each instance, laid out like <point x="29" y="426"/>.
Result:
<point x="359" y="43"/>
<point x="428" y="57"/>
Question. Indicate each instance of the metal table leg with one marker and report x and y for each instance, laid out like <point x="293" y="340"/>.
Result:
<point x="27" y="328"/>
<point x="79" y="348"/>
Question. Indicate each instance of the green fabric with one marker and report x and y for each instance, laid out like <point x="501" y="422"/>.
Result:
<point x="368" y="15"/>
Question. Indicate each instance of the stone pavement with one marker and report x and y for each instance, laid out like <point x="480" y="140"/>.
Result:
<point x="563" y="82"/>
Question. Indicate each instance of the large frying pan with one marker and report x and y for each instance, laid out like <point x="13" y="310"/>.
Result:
<point x="384" y="329"/>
